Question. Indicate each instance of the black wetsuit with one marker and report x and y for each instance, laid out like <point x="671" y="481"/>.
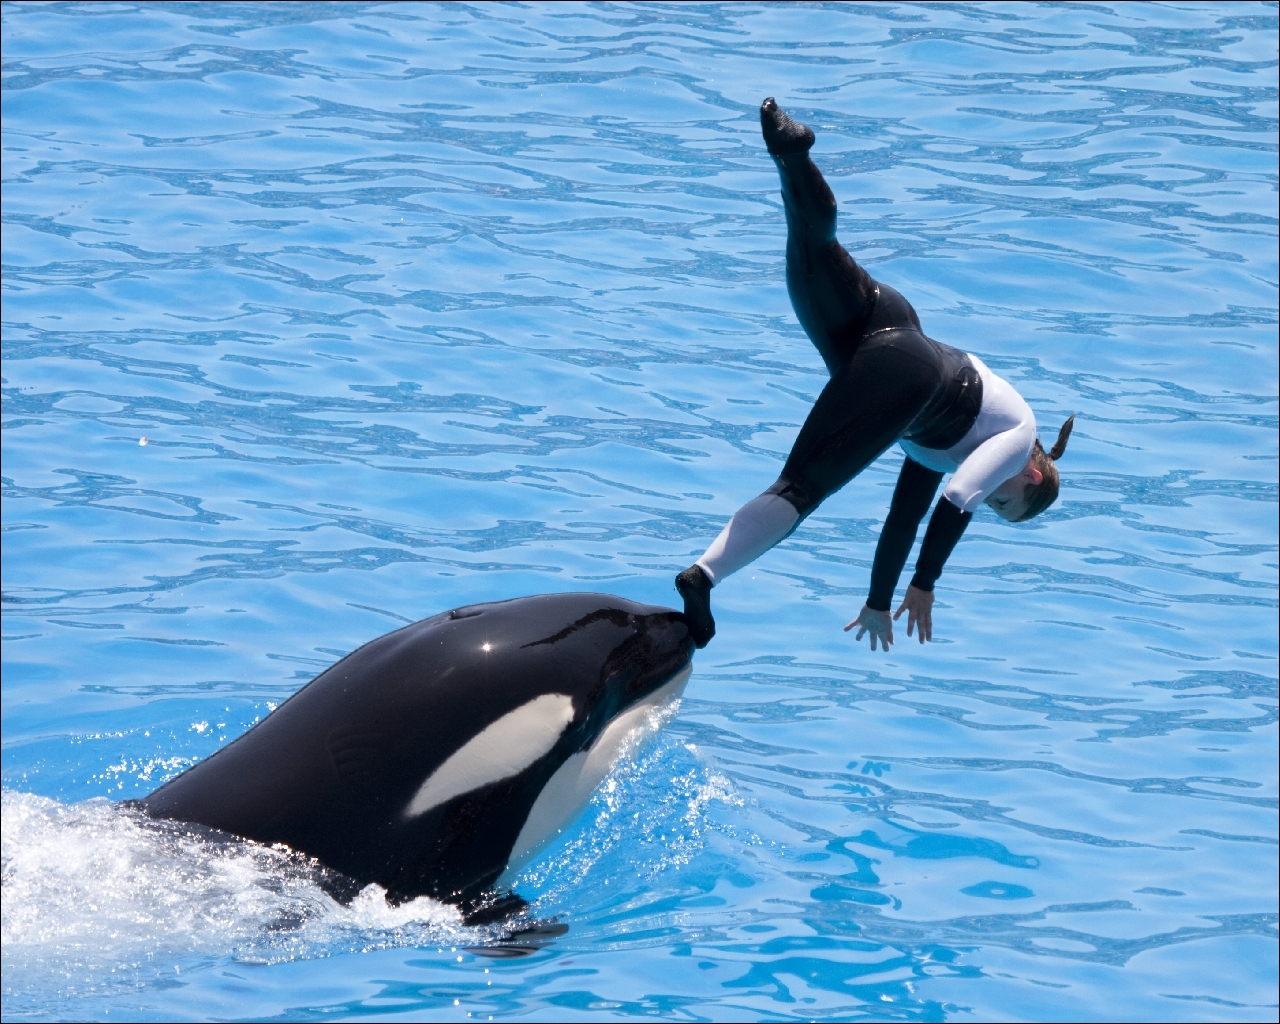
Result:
<point x="888" y="382"/>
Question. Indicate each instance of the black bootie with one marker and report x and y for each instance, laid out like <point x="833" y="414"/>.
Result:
<point x="695" y="588"/>
<point x="783" y="136"/>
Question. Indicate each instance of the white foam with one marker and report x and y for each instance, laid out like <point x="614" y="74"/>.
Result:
<point x="97" y="894"/>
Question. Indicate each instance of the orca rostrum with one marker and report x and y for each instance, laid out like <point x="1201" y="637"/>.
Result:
<point x="436" y="758"/>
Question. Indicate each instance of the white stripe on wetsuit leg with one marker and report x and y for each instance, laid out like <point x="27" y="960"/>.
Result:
<point x="754" y="529"/>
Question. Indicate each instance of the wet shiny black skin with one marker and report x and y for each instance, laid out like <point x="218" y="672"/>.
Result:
<point x="331" y="770"/>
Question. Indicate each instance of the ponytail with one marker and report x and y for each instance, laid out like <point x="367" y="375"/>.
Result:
<point x="1040" y="496"/>
<point x="1060" y="446"/>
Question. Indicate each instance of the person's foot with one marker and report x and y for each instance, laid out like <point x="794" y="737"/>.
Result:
<point x="695" y="588"/>
<point x="782" y="135"/>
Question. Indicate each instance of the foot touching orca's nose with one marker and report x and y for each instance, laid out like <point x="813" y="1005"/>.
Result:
<point x="439" y="758"/>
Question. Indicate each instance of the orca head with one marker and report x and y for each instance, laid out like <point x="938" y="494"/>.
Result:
<point x="557" y="689"/>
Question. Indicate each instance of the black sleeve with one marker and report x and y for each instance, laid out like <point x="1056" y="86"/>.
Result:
<point x="945" y="527"/>
<point x="911" y="500"/>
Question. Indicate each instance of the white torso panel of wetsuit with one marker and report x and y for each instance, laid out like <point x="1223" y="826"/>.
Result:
<point x="996" y="447"/>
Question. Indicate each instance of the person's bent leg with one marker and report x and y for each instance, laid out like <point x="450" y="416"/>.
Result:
<point x="832" y="296"/>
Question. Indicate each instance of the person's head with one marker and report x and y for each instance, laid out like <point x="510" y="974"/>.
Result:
<point x="1026" y="495"/>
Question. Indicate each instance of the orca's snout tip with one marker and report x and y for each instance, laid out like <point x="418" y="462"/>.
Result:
<point x="694" y="637"/>
<point x="686" y="640"/>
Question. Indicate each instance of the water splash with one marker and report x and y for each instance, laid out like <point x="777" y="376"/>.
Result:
<point x="103" y="898"/>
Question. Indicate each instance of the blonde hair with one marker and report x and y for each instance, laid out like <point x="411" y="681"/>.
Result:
<point x="1040" y="496"/>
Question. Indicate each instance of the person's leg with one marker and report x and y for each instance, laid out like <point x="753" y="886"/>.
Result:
<point x="864" y="408"/>
<point x="754" y="529"/>
<point x="856" y="417"/>
<point x="832" y="296"/>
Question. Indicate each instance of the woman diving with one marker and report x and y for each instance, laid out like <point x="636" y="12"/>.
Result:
<point x="889" y="383"/>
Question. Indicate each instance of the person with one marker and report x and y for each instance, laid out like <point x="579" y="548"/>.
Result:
<point x="889" y="383"/>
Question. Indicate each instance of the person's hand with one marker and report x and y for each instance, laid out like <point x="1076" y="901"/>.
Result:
<point x="878" y="624"/>
<point x="918" y="604"/>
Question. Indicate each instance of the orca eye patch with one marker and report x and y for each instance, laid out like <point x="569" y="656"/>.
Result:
<point x="503" y="749"/>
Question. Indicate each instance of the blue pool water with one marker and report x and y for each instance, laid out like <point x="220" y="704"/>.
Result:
<point x="418" y="306"/>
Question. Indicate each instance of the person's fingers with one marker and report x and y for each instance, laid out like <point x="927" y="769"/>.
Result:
<point x="900" y="611"/>
<point x="862" y="628"/>
<point x="851" y="625"/>
<point x="926" y="627"/>
<point x="911" y="621"/>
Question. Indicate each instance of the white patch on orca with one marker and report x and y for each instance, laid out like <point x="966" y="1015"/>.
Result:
<point x="573" y="784"/>
<point x="503" y="749"/>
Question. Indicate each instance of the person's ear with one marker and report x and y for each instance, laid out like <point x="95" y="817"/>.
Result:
<point x="1033" y="475"/>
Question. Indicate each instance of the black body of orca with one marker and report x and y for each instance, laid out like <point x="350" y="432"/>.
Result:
<point x="435" y="758"/>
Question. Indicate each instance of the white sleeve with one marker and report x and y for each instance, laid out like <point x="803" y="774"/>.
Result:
<point x="989" y="465"/>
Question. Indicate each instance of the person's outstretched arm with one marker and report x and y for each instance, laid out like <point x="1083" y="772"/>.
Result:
<point x="946" y="526"/>
<point x="911" y="500"/>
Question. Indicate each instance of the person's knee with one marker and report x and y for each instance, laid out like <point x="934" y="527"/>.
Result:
<point x="804" y="499"/>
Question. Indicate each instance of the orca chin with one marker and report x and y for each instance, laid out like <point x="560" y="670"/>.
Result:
<point x="438" y="759"/>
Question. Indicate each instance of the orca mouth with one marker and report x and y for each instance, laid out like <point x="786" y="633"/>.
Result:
<point x="657" y="698"/>
<point x="660" y="649"/>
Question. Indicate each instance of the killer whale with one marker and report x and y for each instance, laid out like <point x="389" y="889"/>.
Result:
<point x="438" y="758"/>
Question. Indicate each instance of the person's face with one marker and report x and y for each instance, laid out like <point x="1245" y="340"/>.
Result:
<point x="1010" y="499"/>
